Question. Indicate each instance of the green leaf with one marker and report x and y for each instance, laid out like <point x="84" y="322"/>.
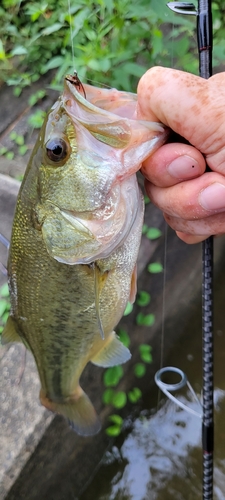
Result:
<point x="155" y="267"/>
<point x="51" y="29"/>
<point x="145" y="320"/>
<point x="134" y="69"/>
<point x="146" y="199"/>
<point x="145" y="348"/>
<point x="146" y="357"/>
<point x="107" y="396"/>
<point x="23" y="149"/>
<point x="17" y="91"/>
<point x="113" y="430"/>
<point x="134" y="395"/>
<point x="139" y="370"/>
<point x="124" y="337"/>
<point x="4" y="290"/>
<point x="144" y="229"/>
<point x="153" y="233"/>
<point x="19" y="51"/>
<point x="129" y="309"/>
<point x="116" y="419"/>
<point x="9" y="155"/>
<point x="3" y="306"/>
<point x="3" y="150"/>
<point x="2" y="51"/>
<point x="34" y="98"/>
<point x="55" y="62"/>
<point x="13" y="135"/>
<point x="119" y="399"/>
<point x="5" y="317"/>
<point x="112" y="376"/>
<point x="143" y="298"/>
<point x="36" y="119"/>
<point x="19" y="140"/>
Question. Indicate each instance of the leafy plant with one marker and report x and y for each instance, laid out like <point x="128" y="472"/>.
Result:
<point x="113" y="375"/>
<point x="143" y="298"/>
<point x="139" y="370"/>
<point x="5" y="152"/>
<point x="4" y="305"/>
<point x="19" y="141"/>
<point x="145" y="353"/>
<point x="129" y="309"/>
<point x="145" y="319"/>
<point x="155" y="267"/>
<point x="113" y="42"/>
<point x="37" y="118"/>
<point x="152" y="233"/>
<point x="124" y="337"/>
<point x="115" y="429"/>
<point x="134" y="395"/>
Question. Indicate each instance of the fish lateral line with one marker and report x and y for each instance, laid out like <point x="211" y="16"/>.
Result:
<point x="96" y="270"/>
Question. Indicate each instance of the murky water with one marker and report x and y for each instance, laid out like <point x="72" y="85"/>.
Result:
<point x="160" y="457"/>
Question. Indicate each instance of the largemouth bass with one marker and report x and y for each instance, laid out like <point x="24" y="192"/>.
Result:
<point x="75" y="241"/>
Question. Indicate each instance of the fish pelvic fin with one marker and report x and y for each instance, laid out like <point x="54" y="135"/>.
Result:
<point x="112" y="353"/>
<point x="78" y="410"/>
<point x="9" y="333"/>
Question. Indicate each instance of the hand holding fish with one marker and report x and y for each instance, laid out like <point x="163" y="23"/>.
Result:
<point x="192" y="199"/>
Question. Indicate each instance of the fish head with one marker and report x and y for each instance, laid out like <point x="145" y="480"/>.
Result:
<point x="90" y="146"/>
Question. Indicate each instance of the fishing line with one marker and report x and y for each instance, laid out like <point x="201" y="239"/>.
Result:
<point x="162" y="336"/>
<point x="71" y="33"/>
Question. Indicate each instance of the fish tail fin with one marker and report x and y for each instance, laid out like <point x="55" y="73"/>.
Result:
<point x="78" y="410"/>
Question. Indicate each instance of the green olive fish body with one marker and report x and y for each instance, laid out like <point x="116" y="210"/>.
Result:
<point x="75" y="240"/>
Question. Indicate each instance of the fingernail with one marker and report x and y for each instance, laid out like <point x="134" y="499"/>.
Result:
<point x="183" y="167"/>
<point x="213" y="197"/>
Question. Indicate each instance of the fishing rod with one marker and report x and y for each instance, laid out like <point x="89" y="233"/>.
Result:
<point x="205" y="42"/>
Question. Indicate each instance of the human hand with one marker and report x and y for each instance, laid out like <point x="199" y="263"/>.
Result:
<point x="193" y="200"/>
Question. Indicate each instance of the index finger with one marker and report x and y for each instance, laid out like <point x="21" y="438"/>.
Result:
<point x="189" y="105"/>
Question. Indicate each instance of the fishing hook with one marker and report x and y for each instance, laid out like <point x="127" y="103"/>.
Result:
<point x="205" y="39"/>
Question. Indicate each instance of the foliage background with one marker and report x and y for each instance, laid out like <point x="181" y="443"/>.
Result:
<point x="113" y="41"/>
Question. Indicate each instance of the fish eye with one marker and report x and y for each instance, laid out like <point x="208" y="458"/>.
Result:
<point x="57" y="149"/>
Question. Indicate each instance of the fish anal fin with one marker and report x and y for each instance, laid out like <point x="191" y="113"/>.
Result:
<point x="9" y="333"/>
<point x="133" y="286"/>
<point x="112" y="353"/>
<point x="78" y="410"/>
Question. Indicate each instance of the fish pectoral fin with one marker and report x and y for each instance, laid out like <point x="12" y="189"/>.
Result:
<point x="112" y="353"/>
<point x="9" y="333"/>
<point x="133" y="286"/>
<point x="78" y="410"/>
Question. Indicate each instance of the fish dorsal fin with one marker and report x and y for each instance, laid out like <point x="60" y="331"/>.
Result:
<point x="97" y="283"/>
<point x="112" y="353"/>
<point x="9" y="333"/>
